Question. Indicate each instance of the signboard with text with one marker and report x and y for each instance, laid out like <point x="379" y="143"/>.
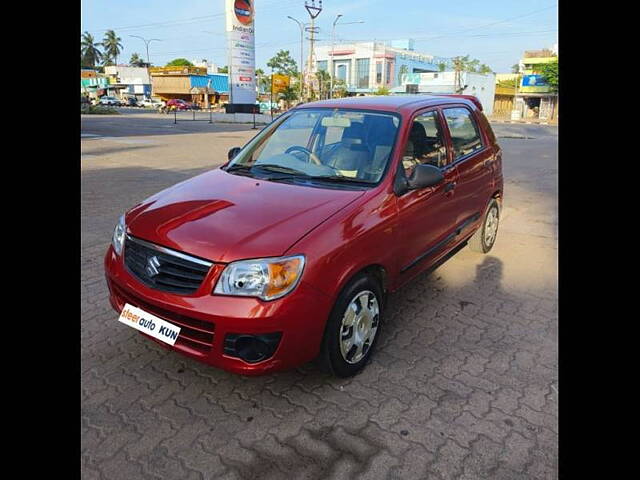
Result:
<point x="280" y="82"/>
<point x="241" y="50"/>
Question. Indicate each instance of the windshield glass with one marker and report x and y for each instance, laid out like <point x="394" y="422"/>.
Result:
<point x="323" y="144"/>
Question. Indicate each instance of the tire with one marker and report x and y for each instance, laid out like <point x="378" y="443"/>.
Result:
<point x="366" y="322"/>
<point x="482" y="241"/>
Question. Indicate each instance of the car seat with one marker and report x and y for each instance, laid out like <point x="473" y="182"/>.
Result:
<point x="352" y="154"/>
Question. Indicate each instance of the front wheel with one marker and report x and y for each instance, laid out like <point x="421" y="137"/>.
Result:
<point x="352" y="327"/>
<point x="482" y="241"/>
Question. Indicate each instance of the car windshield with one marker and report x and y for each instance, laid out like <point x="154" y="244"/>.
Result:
<point x="325" y="145"/>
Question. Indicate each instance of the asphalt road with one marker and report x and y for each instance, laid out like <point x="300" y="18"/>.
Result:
<point x="463" y="384"/>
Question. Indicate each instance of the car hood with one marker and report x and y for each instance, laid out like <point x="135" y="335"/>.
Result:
<point x="224" y="217"/>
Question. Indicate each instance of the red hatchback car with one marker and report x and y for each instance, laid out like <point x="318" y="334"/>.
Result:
<point x="287" y="252"/>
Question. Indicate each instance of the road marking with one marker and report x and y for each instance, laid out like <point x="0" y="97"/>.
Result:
<point x="83" y="135"/>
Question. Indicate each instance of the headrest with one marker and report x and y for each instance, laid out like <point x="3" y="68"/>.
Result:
<point x="354" y="134"/>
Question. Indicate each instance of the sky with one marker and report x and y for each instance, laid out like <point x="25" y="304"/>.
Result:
<point x="495" y="32"/>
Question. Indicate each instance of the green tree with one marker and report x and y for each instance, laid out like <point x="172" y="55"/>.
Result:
<point x="136" y="60"/>
<point x="90" y="55"/>
<point x="283" y="63"/>
<point x="289" y="94"/>
<point x="442" y="66"/>
<point x="324" y="83"/>
<point x="179" y="62"/>
<point x="404" y="69"/>
<point x="224" y="69"/>
<point x="549" y="72"/>
<point x="382" y="90"/>
<point x="339" y="88"/>
<point x="515" y="68"/>
<point x="112" y="47"/>
<point x="472" y="65"/>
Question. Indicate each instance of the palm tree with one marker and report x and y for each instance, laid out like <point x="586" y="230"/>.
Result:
<point x="89" y="53"/>
<point x="136" y="60"/>
<point x="112" y="46"/>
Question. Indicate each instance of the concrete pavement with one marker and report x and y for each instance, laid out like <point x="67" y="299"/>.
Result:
<point x="463" y="384"/>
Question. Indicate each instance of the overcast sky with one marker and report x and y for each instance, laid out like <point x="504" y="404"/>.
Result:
<point x="495" y="32"/>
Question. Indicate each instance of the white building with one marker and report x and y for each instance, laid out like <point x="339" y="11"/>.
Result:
<point x="129" y="81"/>
<point x="482" y="86"/>
<point x="204" y="63"/>
<point x="367" y="66"/>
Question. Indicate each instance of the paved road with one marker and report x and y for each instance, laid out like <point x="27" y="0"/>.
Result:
<point x="463" y="384"/>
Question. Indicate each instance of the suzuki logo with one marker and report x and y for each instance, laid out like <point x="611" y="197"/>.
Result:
<point x="152" y="266"/>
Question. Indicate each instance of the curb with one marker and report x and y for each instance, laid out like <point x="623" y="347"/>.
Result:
<point x="522" y="122"/>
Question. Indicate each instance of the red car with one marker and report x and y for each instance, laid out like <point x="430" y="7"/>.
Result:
<point x="178" y="104"/>
<point x="287" y="252"/>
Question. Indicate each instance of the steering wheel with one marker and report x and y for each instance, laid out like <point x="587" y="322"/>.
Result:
<point x="310" y="154"/>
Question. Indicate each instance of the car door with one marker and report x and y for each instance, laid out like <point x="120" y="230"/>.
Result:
<point x="472" y="157"/>
<point x="426" y="217"/>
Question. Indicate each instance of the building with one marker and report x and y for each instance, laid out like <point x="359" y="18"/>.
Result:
<point x="211" y="67"/>
<point x="535" y="98"/>
<point x="367" y="66"/>
<point x="94" y="84"/>
<point x="129" y="81"/>
<point x="482" y="86"/>
<point x="505" y="94"/>
<point x="192" y="84"/>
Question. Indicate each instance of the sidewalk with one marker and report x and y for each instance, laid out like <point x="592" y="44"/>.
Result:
<point x="528" y="121"/>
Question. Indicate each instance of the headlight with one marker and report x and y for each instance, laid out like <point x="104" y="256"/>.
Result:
<point x="265" y="278"/>
<point x="119" y="234"/>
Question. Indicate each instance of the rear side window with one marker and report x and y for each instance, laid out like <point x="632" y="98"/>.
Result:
<point x="465" y="136"/>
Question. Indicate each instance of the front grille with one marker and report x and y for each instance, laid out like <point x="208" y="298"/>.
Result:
<point x="194" y="333"/>
<point x="164" y="269"/>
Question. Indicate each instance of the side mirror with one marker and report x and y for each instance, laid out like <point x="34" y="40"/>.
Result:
<point x="233" y="152"/>
<point x="425" y="176"/>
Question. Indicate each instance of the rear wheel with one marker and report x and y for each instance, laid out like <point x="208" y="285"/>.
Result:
<point x="352" y="328"/>
<point x="482" y="241"/>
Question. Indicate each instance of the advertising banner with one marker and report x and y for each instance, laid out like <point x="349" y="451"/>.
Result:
<point x="533" y="81"/>
<point x="280" y="82"/>
<point x="241" y="50"/>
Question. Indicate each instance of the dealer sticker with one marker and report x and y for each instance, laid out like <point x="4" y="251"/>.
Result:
<point x="149" y="324"/>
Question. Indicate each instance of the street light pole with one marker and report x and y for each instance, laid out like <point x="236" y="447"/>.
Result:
<point x="147" y="42"/>
<point x="333" y="32"/>
<point x="301" y="25"/>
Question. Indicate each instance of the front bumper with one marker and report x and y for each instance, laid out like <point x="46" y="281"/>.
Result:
<point x="207" y="320"/>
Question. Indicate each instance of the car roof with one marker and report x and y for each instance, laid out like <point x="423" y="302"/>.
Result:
<point x="392" y="103"/>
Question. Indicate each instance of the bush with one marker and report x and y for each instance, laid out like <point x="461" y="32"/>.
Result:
<point x="97" y="110"/>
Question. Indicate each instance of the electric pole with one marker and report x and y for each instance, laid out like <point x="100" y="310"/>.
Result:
<point x="313" y="11"/>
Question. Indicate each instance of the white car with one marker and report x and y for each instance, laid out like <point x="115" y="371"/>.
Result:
<point x="109" y="101"/>
<point x="151" y="103"/>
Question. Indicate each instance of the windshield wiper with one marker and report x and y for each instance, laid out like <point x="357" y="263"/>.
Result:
<point x="241" y="169"/>
<point x="340" y="179"/>
<point x="272" y="167"/>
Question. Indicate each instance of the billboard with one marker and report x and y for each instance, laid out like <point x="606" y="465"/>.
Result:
<point x="533" y="81"/>
<point x="241" y="50"/>
<point x="280" y="82"/>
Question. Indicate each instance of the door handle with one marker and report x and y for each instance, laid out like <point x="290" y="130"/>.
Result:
<point x="449" y="187"/>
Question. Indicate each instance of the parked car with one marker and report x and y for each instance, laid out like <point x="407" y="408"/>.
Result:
<point x="287" y="252"/>
<point x="150" y="103"/>
<point x="112" y="101"/>
<point x="130" y="102"/>
<point x="178" y="104"/>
